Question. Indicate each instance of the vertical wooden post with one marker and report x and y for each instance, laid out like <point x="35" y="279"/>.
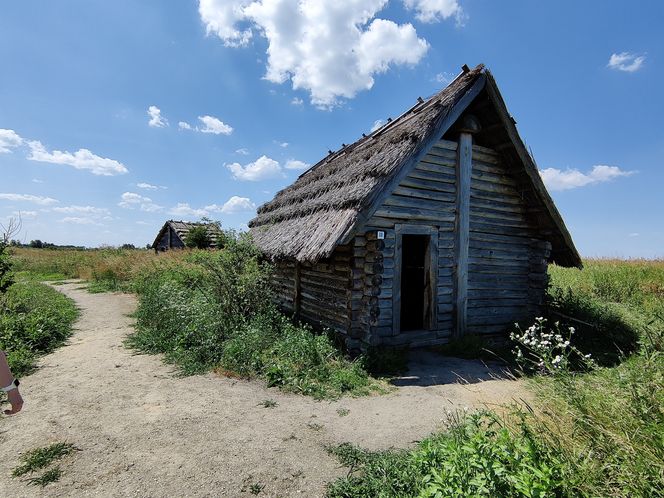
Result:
<point x="469" y="125"/>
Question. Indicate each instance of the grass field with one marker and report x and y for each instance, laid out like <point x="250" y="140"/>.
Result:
<point x="593" y="432"/>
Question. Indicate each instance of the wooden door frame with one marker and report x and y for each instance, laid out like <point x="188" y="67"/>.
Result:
<point x="431" y="268"/>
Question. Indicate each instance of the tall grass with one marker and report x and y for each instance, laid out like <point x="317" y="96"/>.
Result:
<point x="34" y="320"/>
<point x="105" y="269"/>
<point x="597" y="433"/>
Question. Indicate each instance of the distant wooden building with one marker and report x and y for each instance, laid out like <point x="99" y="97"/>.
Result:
<point x="174" y="233"/>
<point x="434" y="226"/>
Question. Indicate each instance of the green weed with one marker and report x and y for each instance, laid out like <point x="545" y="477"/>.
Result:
<point x="42" y="457"/>
<point x="48" y="477"/>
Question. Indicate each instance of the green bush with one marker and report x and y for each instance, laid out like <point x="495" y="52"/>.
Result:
<point x="34" y="320"/>
<point x="198" y="238"/>
<point x="477" y="456"/>
<point x="215" y="311"/>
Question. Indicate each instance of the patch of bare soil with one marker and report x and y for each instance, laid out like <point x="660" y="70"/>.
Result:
<point x="144" y="431"/>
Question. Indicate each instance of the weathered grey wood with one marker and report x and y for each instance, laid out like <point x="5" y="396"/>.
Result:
<point x="464" y="171"/>
<point x="438" y="131"/>
<point x="297" y="294"/>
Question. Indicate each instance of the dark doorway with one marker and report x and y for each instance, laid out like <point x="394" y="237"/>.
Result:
<point x="414" y="281"/>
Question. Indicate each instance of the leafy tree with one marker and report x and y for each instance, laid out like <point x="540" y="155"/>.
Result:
<point x="37" y="244"/>
<point x="128" y="246"/>
<point x="198" y="237"/>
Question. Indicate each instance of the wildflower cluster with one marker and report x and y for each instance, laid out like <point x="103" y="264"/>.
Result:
<point x="546" y="350"/>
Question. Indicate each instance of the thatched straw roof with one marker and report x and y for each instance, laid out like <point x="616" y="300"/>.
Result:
<point x="323" y="207"/>
<point x="182" y="228"/>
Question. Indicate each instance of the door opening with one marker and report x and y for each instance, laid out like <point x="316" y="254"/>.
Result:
<point x="415" y="285"/>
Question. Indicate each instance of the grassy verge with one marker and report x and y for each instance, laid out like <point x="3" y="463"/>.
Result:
<point x="34" y="320"/>
<point x="598" y="433"/>
<point x="213" y="310"/>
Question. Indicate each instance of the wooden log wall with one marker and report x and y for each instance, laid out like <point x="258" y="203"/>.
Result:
<point x="283" y="284"/>
<point x="425" y="197"/>
<point x="507" y="261"/>
<point x="324" y="290"/>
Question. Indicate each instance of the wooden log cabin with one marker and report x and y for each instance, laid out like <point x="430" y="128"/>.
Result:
<point x="434" y="226"/>
<point x="173" y="234"/>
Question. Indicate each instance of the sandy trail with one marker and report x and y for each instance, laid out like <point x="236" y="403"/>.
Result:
<point x="143" y="431"/>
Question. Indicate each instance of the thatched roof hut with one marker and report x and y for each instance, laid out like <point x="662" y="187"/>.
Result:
<point x="451" y="170"/>
<point x="173" y="234"/>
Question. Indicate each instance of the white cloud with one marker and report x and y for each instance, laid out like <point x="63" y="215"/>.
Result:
<point x="9" y="140"/>
<point x="221" y="16"/>
<point x="36" y="180"/>
<point x="79" y="220"/>
<point x="283" y="145"/>
<point x="634" y="234"/>
<point x="262" y="168"/>
<point x="156" y="119"/>
<point x="294" y="164"/>
<point x="148" y="186"/>
<point x="89" y="210"/>
<point x="25" y="214"/>
<point x="42" y="201"/>
<point x="435" y="10"/>
<point x="214" y="125"/>
<point x="184" y="209"/>
<point x="242" y="152"/>
<point x="233" y="205"/>
<point x="331" y="49"/>
<point x="297" y="101"/>
<point x="377" y="124"/>
<point x="556" y="179"/>
<point x="183" y="125"/>
<point x="625" y="61"/>
<point x="81" y="159"/>
<point x="131" y="200"/>
<point x="443" y="78"/>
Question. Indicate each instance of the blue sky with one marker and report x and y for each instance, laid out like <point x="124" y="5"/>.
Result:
<point x="115" y="116"/>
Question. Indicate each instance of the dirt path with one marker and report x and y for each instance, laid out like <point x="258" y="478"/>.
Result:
<point x="143" y="431"/>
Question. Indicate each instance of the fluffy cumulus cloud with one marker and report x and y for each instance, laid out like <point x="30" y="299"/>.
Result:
<point x="214" y="125"/>
<point x="429" y="11"/>
<point x="556" y="179"/>
<point x="627" y="62"/>
<point x="222" y="17"/>
<point x="81" y="159"/>
<point x="184" y="210"/>
<point x="210" y="124"/>
<point x="237" y="204"/>
<point x="263" y="168"/>
<point x="35" y="199"/>
<point x="9" y="140"/>
<point x="156" y="119"/>
<point x="295" y="164"/>
<point x="132" y="200"/>
<point x="330" y="49"/>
